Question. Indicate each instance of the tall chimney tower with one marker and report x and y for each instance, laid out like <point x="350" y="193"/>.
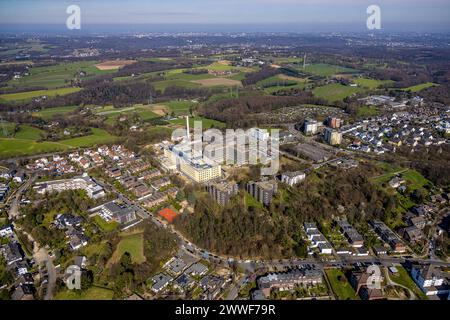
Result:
<point x="188" y="136"/>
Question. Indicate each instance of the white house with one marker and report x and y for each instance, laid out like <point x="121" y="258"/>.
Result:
<point x="6" y="231"/>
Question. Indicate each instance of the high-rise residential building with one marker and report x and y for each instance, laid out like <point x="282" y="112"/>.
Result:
<point x="332" y="137"/>
<point x="334" y="122"/>
<point x="310" y="127"/>
<point x="222" y="191"/>
<point x="292" y="178"/>
<point x="263" y="191"/>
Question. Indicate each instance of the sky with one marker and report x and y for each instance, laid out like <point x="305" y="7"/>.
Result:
<point x="280" y="15"/>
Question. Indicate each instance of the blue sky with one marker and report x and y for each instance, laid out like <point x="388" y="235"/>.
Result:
<point x="297" y="12"/>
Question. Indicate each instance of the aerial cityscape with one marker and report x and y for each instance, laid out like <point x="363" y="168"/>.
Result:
<point x="206" y="163"/>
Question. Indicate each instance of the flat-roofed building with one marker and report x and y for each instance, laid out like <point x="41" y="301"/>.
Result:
<point x="263" y="191"/>
<point x="292" y="178"/>
<point x="222" y="191"/>
<point x="332" y="137"/>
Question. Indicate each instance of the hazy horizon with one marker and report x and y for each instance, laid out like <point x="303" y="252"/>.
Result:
<point x="105" y="16"/>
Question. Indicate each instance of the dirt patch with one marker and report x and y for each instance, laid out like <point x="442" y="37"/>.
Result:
<point x="285" y="77"/>
<point x="343" y="76"/>
<point x="114" y="64"/>
<point x="160" y="110"/>
<point x="224" y="62"/>
<point x="217" y="82"/>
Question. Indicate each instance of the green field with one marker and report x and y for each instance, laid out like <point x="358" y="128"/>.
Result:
<point x="162" y="85"/>
<point x="105" y="226"/>
<point x="371" y="83"/>
<point x="326" y="70"/>
<point x="6" y="129"/>
<point x="14" y="147"/>
<point x="206" y="123"/>
<point x="98" y="136"/>
<point x="341" y="288"/>
<point x="404" y="279"/>
<point x="24" y="96"/>
<point x="420" y="87"/>
<point x="17" y="147"/>
<point x="57" y="75"/>
<point x="111" y="113"/>
<point x="367" y="111"/>
<point x="48" y="113"/>
<point x="93" y="293"/>
<point x="133" y="244"/>
<point x="413" y="178"/>
<point x="29" y="133"/>
<point x="179" y="106"/>
<point x="334" y="92"/>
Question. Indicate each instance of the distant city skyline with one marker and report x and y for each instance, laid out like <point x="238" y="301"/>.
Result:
<point x="249" y="15"/>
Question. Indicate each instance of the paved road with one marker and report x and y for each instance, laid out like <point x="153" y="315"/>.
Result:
<point x="40" y="255"/>
<point x="14" y="200"/>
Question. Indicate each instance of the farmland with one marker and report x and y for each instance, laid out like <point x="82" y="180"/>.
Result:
<point x="26" y="145"/>
<point x="206" y="123"/>
<point x="218" y="82"/>
<point x="420" y="87"/>
<point x="334" y="92"/>
<point x="371" y="83"/>
<point x="48" y="113"/>
<point x="58" y="75"/>
<point x="28" y="95"/>
<point x="327" y="70"/>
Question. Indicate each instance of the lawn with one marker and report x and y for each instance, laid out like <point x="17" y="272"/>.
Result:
<point x="105" y="226"/>
<point x="327" y="70"/>
<point x="340" y="285"/>
<point x="371" y="83"/>
<point x="420" y="87"/>
<point x="14" y="147"/>
<point x="98" y="136"/>
<point x="48" y="113"/>
<point x="404" y="279"/>
<point x="334" y="92"/>
<point x="28" y="95"/>
<point x="179" y="107"/>
<point x="22" y="147"/>
<point x="133" y="244"/>
<point x="93" y="293"/>
<point x="206" y="123"/>
<point x="367" y="111"/>
<point x="29" y="133"/>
